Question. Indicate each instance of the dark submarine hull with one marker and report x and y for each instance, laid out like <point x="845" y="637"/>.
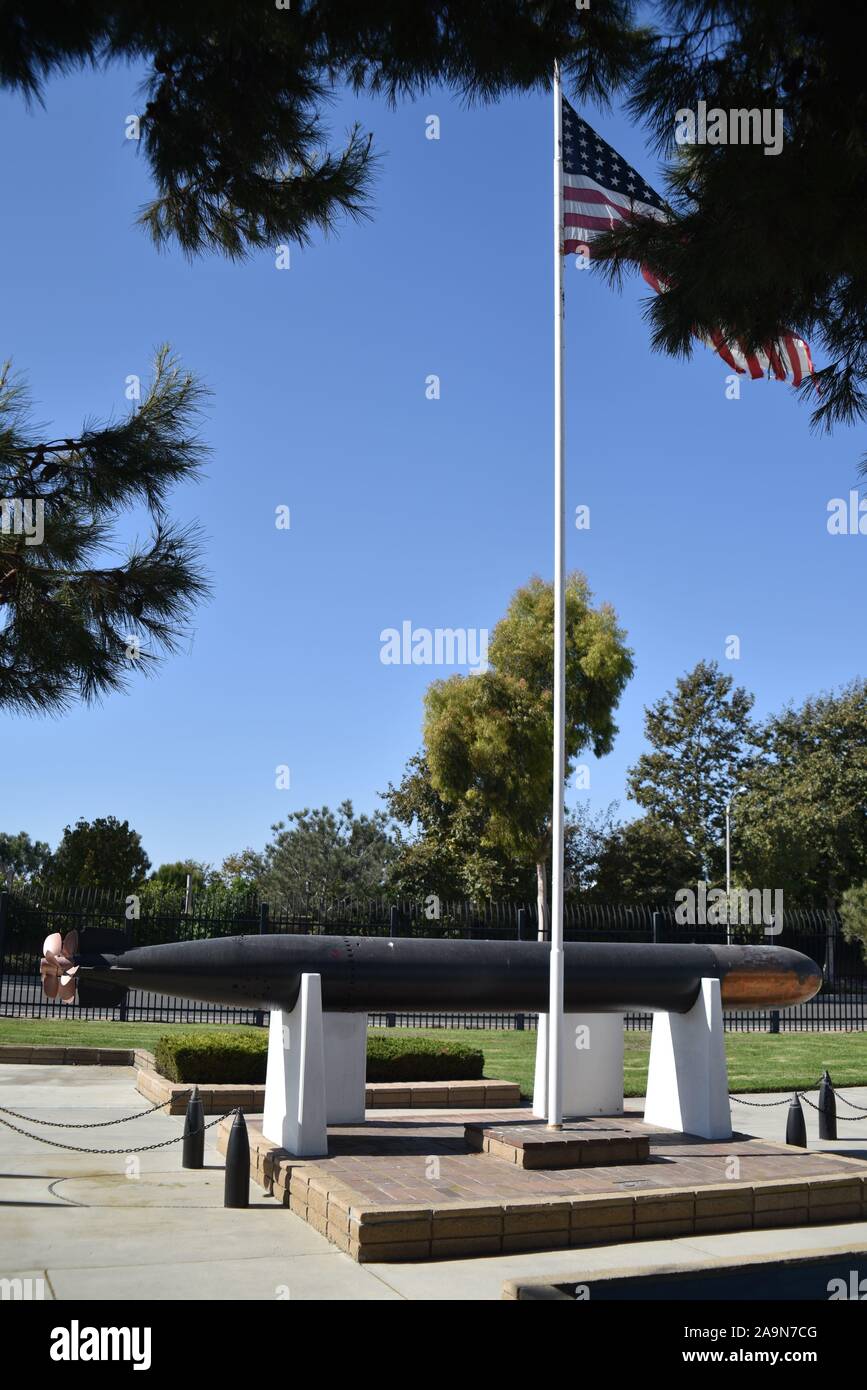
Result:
<point x="377" y="974"/>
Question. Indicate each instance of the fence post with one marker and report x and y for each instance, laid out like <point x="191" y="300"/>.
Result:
<point x="525" y="933"/>
<point x="123" y="1006"/>
<point x="775" y="1021"/>
<point x="394" y="921"/>
<point x="4" y="916"/>
<point x="654" y="929"/>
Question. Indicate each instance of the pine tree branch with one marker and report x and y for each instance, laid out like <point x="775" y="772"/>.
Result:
<point x="72" y="627"/>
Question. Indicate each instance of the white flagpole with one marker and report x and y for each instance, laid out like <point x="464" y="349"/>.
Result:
<point x="555" y="999"/>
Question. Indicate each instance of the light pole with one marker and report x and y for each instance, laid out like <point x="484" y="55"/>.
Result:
<point x="729" y="800"/>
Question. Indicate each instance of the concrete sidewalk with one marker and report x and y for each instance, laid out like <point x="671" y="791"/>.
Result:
<point x="136" y="1225"/>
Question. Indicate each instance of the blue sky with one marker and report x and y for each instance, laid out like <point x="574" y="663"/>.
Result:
<point x="708" y="516"/>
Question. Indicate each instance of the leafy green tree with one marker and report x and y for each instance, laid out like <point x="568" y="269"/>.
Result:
<point x="21" y="857"/>
<point x="802" y="824"/>
<point x="489" y="736"/>
<point x="644" y="863"/>
<point x="439" y="848"/>
<point x="853" y="912"/>
<point x="703" y="741"/>
<point x="243" y="869"/>
<point x="328" y="854"/>
<point x="587" y="835"/>
<point x="173" y="877"/>
<point x="104" y="853"/>
<point x="71" y="624"/>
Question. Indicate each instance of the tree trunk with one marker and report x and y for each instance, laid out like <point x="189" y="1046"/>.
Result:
<point x="542" y="897"/>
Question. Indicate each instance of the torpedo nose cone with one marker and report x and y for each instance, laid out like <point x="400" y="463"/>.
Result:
<point x="785" y="979"/>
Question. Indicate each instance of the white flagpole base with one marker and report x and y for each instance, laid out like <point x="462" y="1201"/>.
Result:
<point x="592" y="1065"/>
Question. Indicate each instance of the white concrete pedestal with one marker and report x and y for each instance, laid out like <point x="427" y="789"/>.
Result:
<point x="315" y="1073"/>
<point x="592" y="1065"/>
<point x="687" y="1084"/>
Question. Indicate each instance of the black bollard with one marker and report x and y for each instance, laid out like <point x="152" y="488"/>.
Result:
<point x="796" y="1129"/>
<point x="193" y="1155"/>
<point x="237" y="1189"/>
<point x="827" y="1109"/>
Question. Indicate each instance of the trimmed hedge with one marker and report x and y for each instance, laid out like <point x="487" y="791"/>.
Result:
<point x="241" y="1058"/>
<point x="422" y="1059"/>
<point x="203" y="1056"/>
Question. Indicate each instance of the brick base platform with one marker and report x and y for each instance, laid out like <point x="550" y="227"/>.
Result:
<point x="404" y="1187"/>
<point x="579" y="1144"/>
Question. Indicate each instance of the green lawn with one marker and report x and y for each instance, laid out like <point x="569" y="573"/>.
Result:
<point x="77" y="1032"/>
<point x="757" y="1061"/>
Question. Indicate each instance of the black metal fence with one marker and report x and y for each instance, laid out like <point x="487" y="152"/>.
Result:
<point x="28" y="916"/>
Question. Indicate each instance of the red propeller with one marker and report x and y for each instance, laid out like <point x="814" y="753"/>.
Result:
<point x="56" y="967"/>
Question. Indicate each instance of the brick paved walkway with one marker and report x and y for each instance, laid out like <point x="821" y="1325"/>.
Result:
<point x="386" y="1161"/>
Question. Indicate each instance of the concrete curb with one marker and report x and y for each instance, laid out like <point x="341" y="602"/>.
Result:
<point x="552" y="1287"/>
<point x="40" y="1054"/>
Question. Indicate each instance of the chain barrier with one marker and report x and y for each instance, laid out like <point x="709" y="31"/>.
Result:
<point x="802" y="1095"/>
<point x="851" y="1103"/>
<point x="106" y="1124"/>
<point x="93" y="1124"/>
<point x="853" y="1119"/>
<point x="762" y="1104"/>
<point x="767" y="1104"/>
<point x="138" y="1148"/>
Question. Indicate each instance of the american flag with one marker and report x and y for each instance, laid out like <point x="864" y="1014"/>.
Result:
<point x="600" y="189"/>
